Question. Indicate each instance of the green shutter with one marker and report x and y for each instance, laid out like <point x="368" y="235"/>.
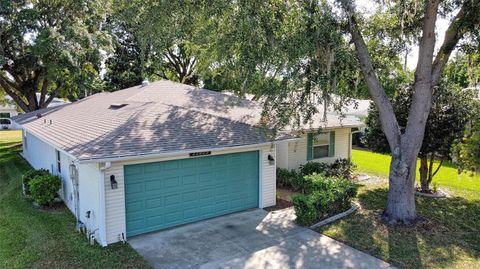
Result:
<point x="309" y="146"/>
<point x="331" y="148"/>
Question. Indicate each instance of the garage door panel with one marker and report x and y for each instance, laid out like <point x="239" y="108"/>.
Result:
<point x="151" y="168"/>
<point x="165" y="194"/>
<point x="170" y="166"/>
<point x="152" y="185"/>
<point x="133" y="188"/>
<point x="171" y="182"/>
<point x="188" y="163"/>
<point x="153" y="203"/>
<point x="173" y="199"/>
<point x="134" y="206"/>
<point x="134" y="170"/>
<point x="189" y="179"/>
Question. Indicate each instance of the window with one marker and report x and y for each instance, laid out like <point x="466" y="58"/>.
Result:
<point x="5" y="121"/>
<point x="321" y="145"/>
<point x="59" y="165"/>
<point x="5" y="115"/>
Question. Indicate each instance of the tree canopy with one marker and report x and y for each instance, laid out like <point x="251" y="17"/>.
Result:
<point x="50" y="47"/>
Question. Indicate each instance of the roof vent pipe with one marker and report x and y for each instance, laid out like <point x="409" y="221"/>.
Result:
<point x="145" y="83"/>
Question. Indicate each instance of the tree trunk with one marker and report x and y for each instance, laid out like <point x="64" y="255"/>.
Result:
<point x="401" y="199"/>
<point x="424" y="174"/>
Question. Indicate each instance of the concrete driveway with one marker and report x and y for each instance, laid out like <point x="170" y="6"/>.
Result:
<point x="250" y="239"/>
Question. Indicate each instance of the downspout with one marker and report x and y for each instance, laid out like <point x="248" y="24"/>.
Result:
<point x="76" y="196"/>
<point x="102" y="207"/>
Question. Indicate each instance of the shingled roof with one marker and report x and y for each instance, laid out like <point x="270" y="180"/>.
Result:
<point x="161" y="117"/>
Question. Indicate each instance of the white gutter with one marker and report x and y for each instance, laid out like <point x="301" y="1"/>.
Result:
<point x="181" y="152"/>
<point x="326" y="128"/>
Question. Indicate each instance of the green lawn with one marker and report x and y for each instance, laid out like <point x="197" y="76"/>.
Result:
<point x="446" y="236"/>
<point x="31" y="238"/>
<point x="447" y="176"/>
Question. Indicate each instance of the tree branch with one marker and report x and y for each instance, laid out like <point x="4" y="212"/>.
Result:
<point x="7" y="88"/>
<point x="43" y="92"/>
<point x="438" y="168"/>
<point x="53" y="94"/>
<point x="387" y="115"/>
<point x="468" y="14"/>
<point x="422" y="97"/>
<point x="172" y="59"/>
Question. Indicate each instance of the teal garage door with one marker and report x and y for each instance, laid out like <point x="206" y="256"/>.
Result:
<point x="165" y="194"/>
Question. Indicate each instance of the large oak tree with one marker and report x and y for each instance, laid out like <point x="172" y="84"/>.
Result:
<point x="50" y="48"/>
<point x="405" y="145"/>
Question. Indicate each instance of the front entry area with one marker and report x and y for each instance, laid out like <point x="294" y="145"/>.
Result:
<point x="165" y="194"/>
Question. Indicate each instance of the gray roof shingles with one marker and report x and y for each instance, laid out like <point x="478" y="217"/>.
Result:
<point x="162" y="117"/>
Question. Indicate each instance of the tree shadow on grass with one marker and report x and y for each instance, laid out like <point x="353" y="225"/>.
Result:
<point x="445" y="234"/>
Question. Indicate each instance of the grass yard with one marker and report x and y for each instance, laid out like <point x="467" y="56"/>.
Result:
<point x="32" y="238"/>
<point x="447" y="236"/>
<point x="379" y="164"/>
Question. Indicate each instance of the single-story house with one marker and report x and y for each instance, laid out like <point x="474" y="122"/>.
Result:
<point x="164" y="154"/>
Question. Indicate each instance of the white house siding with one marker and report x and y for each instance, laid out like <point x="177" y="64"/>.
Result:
<point x="282" y="154"/>
<point x="66" y="193"/>
<point x="40" y="155"/>
<point x="90" y="197"/>
<point x="297" y="150"/>
<point x="115" y="198"/>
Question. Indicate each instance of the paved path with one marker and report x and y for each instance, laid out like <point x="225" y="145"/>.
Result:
<point x="250" y="239"/>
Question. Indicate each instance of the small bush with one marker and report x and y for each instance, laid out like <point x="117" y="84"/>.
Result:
<point x="32" y="174"/>
<point x="304" y="210"/>
<point x="284" y="177"/>
<point x="342" y="168"/>
<point x="44" y="188"/>
<point x="314" y="168"/>
<point x="326" y="196"/>
<point x="290" y="179"/>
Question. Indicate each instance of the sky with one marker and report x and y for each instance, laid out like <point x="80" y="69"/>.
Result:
<point x="441" y="27"/>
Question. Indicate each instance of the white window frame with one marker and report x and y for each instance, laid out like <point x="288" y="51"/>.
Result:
<point x="317" y="144"/>
<point x="59" y="162"/>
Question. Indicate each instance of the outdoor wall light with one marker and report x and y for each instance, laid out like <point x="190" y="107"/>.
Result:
<point x="113" y="182"/>
<point x="271" y="160"/>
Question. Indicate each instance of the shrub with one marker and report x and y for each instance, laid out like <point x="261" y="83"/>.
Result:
<point x="30" y="175"/>
<point x="325" y="196"/>
<point x="290" y="179"/>
<point x="314" y="168"/>
<point x="304" y="209"/>
<point x="284" y="177"/>
<point x="342" y="168"/>
<point x="44" y="188"/>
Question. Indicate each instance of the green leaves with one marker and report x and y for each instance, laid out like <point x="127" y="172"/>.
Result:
<point x="58" y="44"/>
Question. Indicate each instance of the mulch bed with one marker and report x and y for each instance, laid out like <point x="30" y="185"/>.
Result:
<point x="281" y="204"/>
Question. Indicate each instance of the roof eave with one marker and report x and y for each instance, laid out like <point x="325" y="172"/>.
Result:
<point x="179" y="152"/>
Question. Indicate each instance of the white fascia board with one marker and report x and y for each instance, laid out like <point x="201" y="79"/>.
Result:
<point x="180" y="152"/>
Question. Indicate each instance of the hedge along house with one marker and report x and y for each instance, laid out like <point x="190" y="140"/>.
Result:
<point x="155" y="156"/>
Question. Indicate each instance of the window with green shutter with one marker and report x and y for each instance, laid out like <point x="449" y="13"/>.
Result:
<point x="321" y="145"/>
